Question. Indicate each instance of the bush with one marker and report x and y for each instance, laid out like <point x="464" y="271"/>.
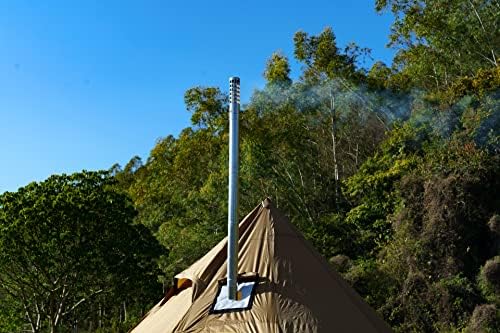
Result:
<point x="485" y="319"/>
<point x="494" y="225"/>
<point x="489" y="280"/>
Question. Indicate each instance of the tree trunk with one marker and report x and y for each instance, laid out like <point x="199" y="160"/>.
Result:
<point x="100" y="316"/>
<point x="124" y="311"/>
<point x="334" y="149"/>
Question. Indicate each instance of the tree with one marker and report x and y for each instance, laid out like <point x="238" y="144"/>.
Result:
<point x="69" y="242"/>
<point x="278" y="70"/>
<point x="323" y="59"/>
<point x="440" y="40"/>
<point x="378" y="76"/>
<point x="208" y="106"/>
<point x="180" y="191"/>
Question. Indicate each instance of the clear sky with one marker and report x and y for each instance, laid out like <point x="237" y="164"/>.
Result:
<point x="86" y="84"/>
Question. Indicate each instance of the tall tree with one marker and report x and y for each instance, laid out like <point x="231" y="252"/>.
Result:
<point x="278" y="70"/>
<point x="180" y="191"/>
<point x="440" y="40"/>
<point x="323" y="58"/>
<point x="69" y="242"/>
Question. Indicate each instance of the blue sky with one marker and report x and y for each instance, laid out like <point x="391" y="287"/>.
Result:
<point x="86" y="84"/>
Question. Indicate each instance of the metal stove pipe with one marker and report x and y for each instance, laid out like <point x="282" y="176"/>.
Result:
<point x="232" y="248"/>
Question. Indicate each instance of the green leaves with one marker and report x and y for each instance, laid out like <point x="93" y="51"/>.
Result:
<point x="322" y="57"/>
<point x="208" y="106"/>
<point x="278" y="70"/>
<point x="71" y="238"/>
<point x="440" y="41"/>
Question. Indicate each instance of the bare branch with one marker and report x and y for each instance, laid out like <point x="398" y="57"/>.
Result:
<point x="83" y="300"/>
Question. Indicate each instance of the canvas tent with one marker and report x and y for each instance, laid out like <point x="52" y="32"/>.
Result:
<point x="294" y="288"/>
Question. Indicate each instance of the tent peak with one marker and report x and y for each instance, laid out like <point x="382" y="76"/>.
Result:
<point x="267" y="202"/>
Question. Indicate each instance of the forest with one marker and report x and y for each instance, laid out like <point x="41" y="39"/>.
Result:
<point x="391" y="172"/>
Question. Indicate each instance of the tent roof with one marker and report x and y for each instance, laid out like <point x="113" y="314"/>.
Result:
<point x="297" y="290"/>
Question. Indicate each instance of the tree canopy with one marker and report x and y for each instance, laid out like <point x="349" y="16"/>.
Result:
<point x="68" y="246"/>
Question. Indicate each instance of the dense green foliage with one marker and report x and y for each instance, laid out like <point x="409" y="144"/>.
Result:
<point x="70" y="255"/>
<point x="393" y="174"/>
<point x="440" y="40"/>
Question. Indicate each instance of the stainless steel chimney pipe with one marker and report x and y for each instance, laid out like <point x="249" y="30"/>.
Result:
<point x="232" y="219"/>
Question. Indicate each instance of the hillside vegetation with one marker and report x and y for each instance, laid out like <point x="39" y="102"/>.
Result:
<point x="391" y="172"/>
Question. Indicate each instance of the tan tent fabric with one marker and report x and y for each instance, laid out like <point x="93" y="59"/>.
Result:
<point x="164" y="317"/>
<point x="297" y="291"/>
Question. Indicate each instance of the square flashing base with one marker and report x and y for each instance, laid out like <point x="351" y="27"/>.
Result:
<point x="246" y="293"/>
